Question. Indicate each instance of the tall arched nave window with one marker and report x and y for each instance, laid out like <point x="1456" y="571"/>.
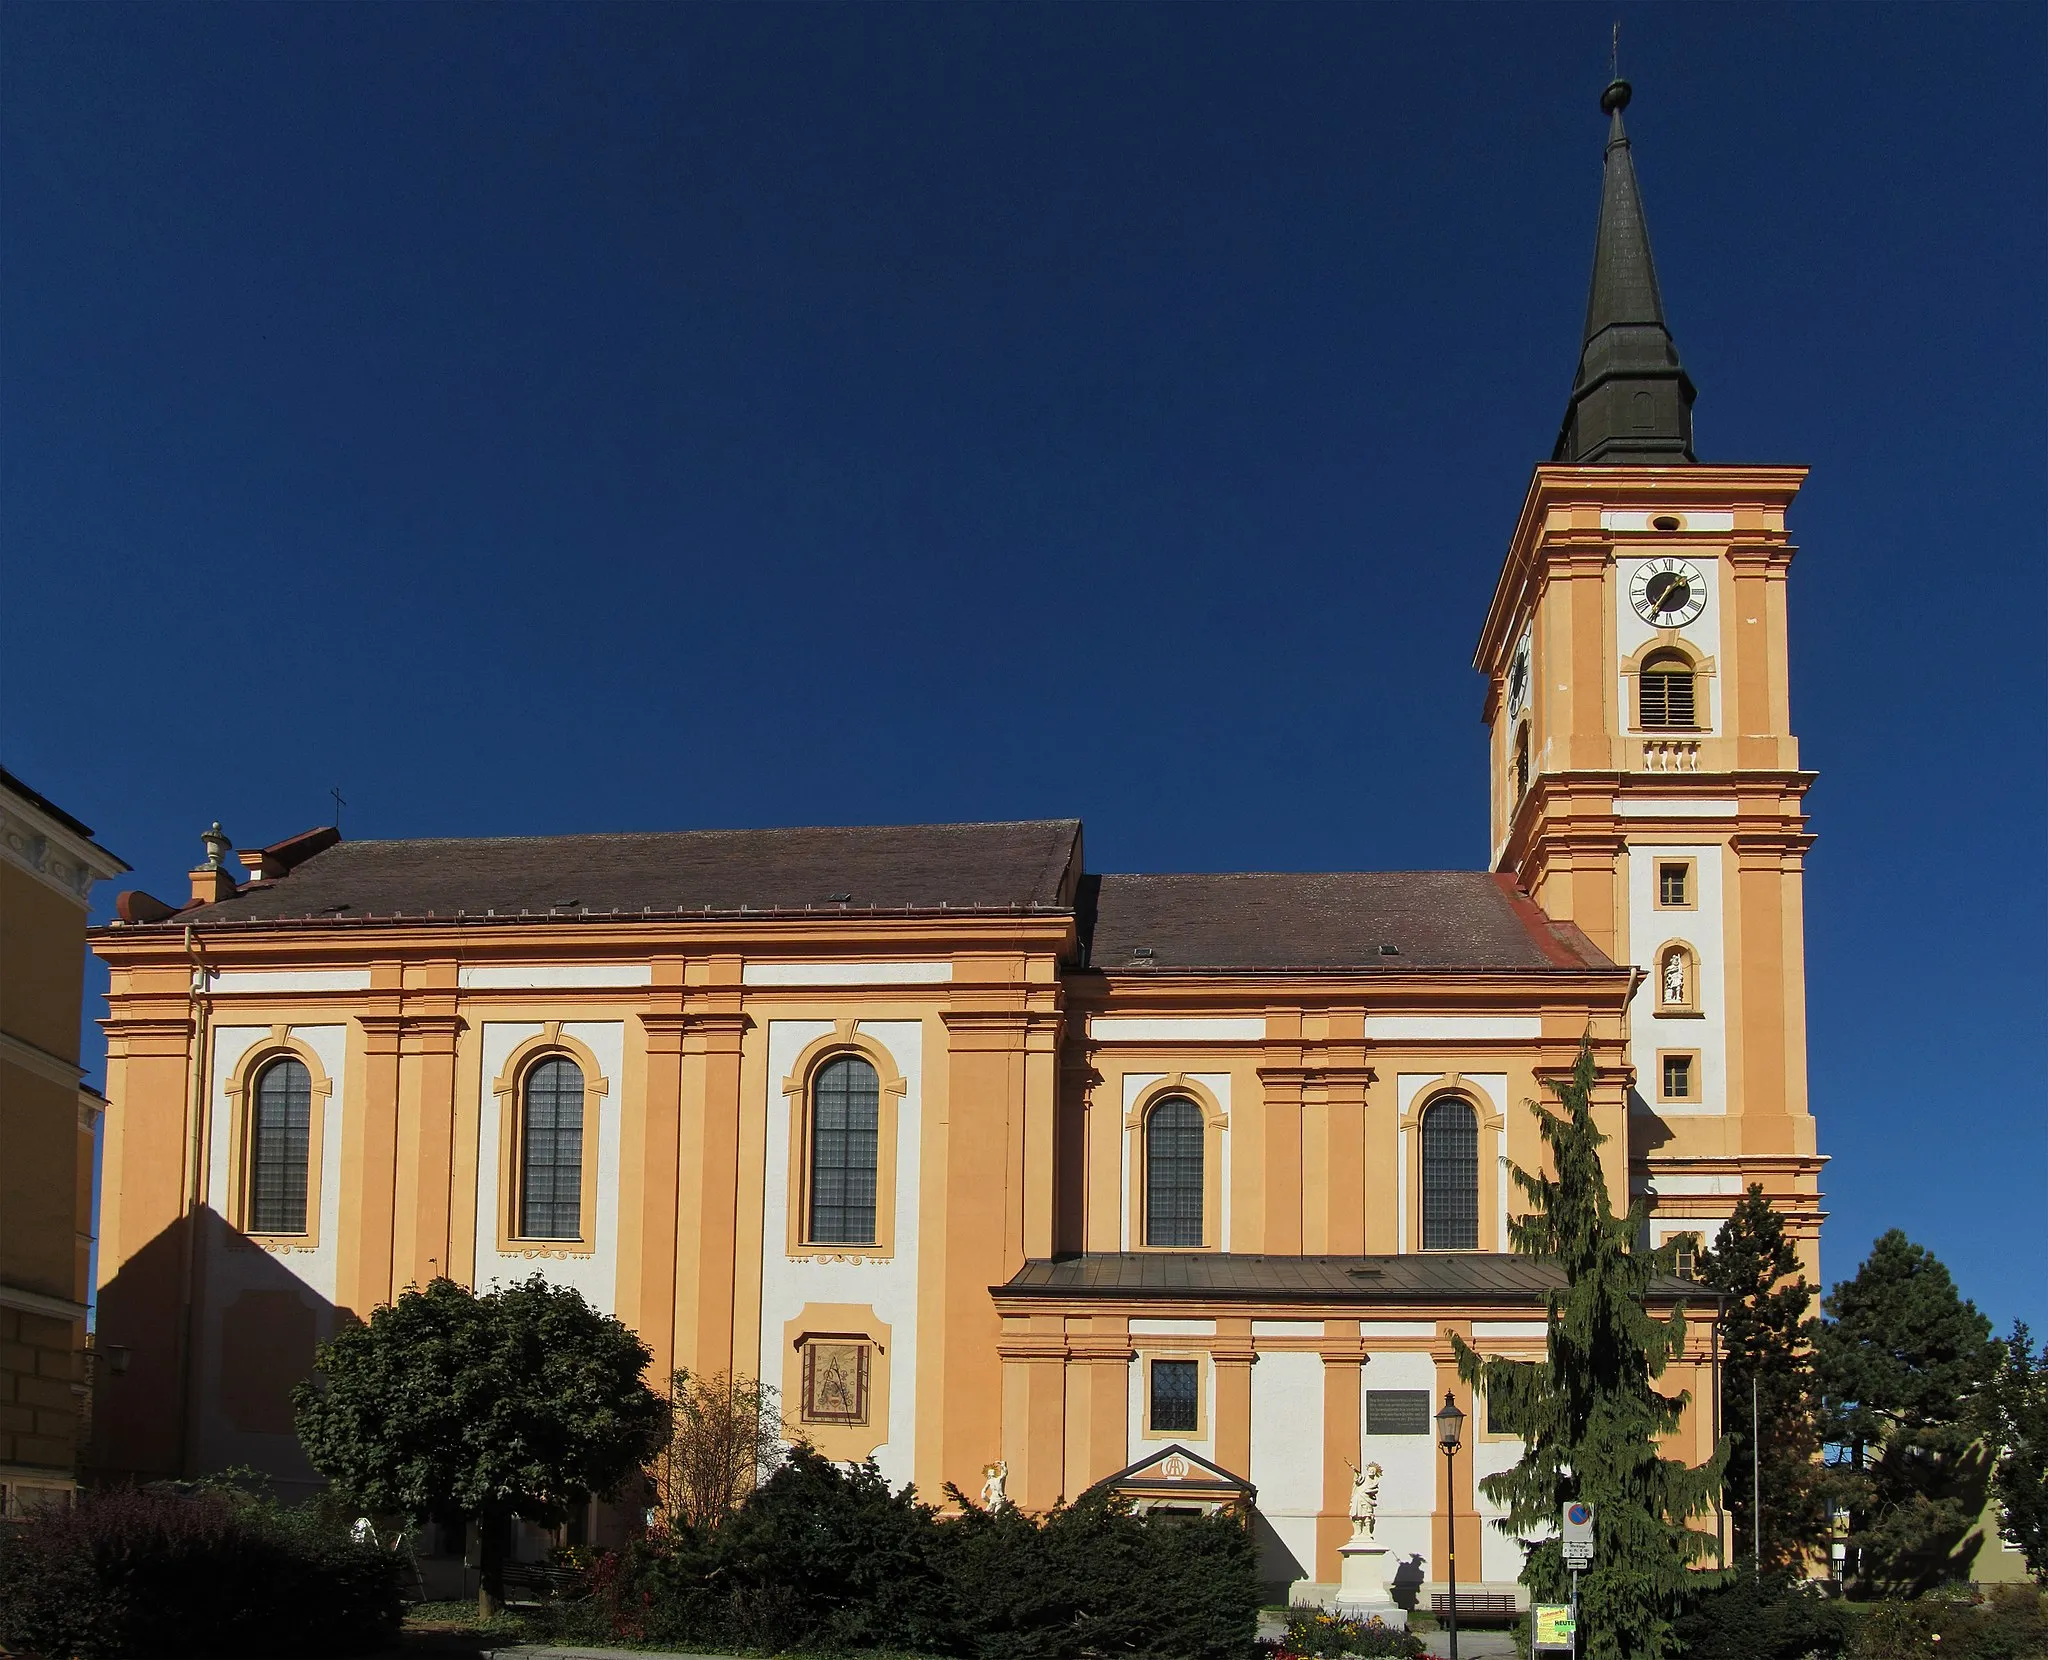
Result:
<point x="551" y="1150"/>
<point x="280" y="1147"/>
<point x="1450" y="1176"/>
<point x="845" y="1150"/>
<point x="1173" y="1174"/>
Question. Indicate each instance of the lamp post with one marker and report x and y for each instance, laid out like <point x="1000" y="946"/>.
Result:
<point x="1450" y="1430"/>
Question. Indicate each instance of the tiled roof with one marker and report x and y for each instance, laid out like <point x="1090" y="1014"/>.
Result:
<point x="1219" y="1276"/>
<point x="1433" y="919"/>
<point x="919" y="867"/>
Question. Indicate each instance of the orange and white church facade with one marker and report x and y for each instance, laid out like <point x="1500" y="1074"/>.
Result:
<point x="981" y="1157"/>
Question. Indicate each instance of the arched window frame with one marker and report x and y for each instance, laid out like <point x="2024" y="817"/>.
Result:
<point x="1215" y="1122"/>
<point x="846" y="1038"/>
<point x="1669" y="642"/>
<point x="550" y="1043"/>
<point x="241" y="1093"/>
<point x="1690" y="1008"/>
<point x="1492" y="1152"/>
<point x="1522" y="762"/>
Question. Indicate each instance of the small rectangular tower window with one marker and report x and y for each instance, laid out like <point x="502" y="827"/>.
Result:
<point x="1175" y="1400"/>
<point x="1677" y="1073"/>
<point x="1674" y="884"/>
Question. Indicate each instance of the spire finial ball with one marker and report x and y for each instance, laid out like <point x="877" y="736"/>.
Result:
<point x="1616" y="96"/>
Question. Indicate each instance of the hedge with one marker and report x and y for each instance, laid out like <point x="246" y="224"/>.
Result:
<point x="146" y="1574"/>
<point x="824" y="1557"/>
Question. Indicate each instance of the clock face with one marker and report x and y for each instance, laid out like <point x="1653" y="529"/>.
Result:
<point x="1668" y="592"/>
<point x="1518" y="679"/>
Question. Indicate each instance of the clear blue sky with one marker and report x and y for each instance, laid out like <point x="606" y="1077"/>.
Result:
<point x="542" y="419"/>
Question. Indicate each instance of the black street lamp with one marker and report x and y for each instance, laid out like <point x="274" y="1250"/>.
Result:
<point x="1450" y="1433"/>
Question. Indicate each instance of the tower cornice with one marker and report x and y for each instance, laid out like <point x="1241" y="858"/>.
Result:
<point x="1564" y="517"/>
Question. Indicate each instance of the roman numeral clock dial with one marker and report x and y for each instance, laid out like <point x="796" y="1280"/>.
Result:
<point x="1668" y="593"/>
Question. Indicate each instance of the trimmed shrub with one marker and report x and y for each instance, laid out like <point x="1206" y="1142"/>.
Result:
<point x="1766" y="1617"/>
<point x="156" y="1574"/>
<point x="825" y="1557"/>
<point x="2009" y="1623"/>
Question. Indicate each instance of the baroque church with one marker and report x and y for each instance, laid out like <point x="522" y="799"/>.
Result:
<point x="1001" y="1167"/>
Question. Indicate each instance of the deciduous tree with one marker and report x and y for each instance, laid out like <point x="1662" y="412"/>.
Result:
<point x="1767" y="1338"/>
<point x="1902" y="1359"/>
<point x="521" y="1402"/>
<point x="1588" y="1415"/>
<point x="726" y="1437"/>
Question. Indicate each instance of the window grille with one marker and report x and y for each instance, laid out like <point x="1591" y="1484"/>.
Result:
<point x="846" y="1104"/>
<point x="1678" y="1077"/>
<point x="551" y="1151"/>
<point x="1173" y="1174"/>
<point x="280" y="1148"/>
<point x="1672" y="885"/>
<point x="1175" y="1404"/>
<point x="1397" y="1412"/>
<point x="1666" y="693"/>
<point x="1450" y="1178"/>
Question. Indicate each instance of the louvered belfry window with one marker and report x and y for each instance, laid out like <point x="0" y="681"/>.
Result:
<point x="1173" y="1174"/>
<point x="279" y="1148"/>
<point x="1667" y="692"/>
<point x="846" y="1105"/>
<point x="1450" y="1178"/>
<point x="551" y="1151"/>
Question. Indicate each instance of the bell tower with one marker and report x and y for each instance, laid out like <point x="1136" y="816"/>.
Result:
<point x="1646" y="781"/>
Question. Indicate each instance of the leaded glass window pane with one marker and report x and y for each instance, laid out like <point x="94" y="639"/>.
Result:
<point x="846" y="1104"/>
<point x="1174" y="1401"/>
<point x="551" y="1152"/>
<point x="1450" y="1178"/>
<point x="1173" y="1174"/>
<point x="280" y="1145"/>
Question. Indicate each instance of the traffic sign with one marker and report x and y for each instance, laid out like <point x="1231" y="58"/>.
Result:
<point x="1578" y="1534"/>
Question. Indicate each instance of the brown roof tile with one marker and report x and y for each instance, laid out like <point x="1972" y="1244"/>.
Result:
<point x="884" y="867"/>
<point x="1434" y="919"/>
<point x="1222" y="1276"/>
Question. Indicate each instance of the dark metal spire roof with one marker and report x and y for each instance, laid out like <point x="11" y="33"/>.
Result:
<point x="1632" y="401"/>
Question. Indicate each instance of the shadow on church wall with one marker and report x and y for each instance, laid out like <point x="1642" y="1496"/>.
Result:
<point x="253" y="1323"/>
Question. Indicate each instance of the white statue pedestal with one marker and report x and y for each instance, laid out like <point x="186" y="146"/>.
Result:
<point x="1362" y="1593"/>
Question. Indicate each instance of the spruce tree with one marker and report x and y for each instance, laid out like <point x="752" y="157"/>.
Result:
<point x="1903" y="1360"/>
<point x="2019" y="1427"/>
<point x="1588" y="1417"/>
<point x="1767" y="1338"/>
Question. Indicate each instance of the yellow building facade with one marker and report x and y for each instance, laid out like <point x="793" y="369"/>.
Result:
<point x="985" y="1159"/>
<point x="48" y="865"/>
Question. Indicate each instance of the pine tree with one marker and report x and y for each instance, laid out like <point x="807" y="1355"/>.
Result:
<point x="2019" y="1427"/>
<point x="1767" y="1338"/>
<point x="1588" y="1417"/>
<point x="1903" y="1360"/>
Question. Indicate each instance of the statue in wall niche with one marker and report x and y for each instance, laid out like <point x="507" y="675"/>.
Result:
<point x="1674" y="976"/>
<point x="993" y="1476"/>
<point x="1365" y="1499"/>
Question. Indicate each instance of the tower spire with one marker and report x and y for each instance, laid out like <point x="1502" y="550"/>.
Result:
<point x="1632" y="400"/>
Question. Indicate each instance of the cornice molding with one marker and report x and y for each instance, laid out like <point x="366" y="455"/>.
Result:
<point x="40" y="1302"/>
<point x="59" y="858"/>
<point x="51" y="1068"/>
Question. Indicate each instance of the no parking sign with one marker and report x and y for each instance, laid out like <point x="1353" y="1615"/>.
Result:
<point x="1578" y="1535"/>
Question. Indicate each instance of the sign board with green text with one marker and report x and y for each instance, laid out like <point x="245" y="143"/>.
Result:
<point x="1553" y="1622"/>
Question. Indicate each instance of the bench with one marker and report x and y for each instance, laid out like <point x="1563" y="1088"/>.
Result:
<point x="1477" y="1605"/>
<point x="544" y="1581"/>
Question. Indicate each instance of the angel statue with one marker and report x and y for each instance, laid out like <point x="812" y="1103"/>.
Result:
<point x="994" y="1475"/>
